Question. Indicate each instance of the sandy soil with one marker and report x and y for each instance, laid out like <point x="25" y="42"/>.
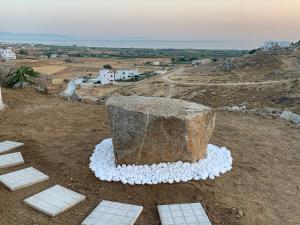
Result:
<point x="252" y="69"/>
<point x="59" y="137"/>
<point x="92" y="91"/>
<point x="49" y="69"/>
<point x="179" y="77"/>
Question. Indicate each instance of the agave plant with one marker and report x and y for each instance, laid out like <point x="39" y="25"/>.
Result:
<point x="22" y="75"/>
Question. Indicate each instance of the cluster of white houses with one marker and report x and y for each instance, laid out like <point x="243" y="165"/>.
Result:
<point x="7" y="54"/>
<point x="268" y="45"/>
<point x="107" y="76"/>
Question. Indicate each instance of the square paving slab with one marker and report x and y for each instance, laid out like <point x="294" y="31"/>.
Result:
<point x="22" y="178"/>
<point x="9" y="145"/>
<point x="12" y="159"/>
<point x="183" y="214"/>
<point x="54" y="200"/>
<point x="113" y="213"/>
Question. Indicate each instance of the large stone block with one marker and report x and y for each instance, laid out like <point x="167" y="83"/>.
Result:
<point x="148" y="130"/>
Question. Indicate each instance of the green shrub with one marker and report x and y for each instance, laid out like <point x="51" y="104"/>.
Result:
<point x="22" y="75"/>
<point x="107" y="66"/>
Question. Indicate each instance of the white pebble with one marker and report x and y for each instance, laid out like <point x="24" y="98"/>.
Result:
<point x="217" y="161"/>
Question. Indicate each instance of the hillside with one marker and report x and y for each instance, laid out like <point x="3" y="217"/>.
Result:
<point x="259" y="81"/>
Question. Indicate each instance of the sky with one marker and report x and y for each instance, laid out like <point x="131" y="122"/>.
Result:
<point x="155" y="19"/>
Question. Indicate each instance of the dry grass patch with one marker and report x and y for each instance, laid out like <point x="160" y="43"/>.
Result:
<point x="50" y="69"/>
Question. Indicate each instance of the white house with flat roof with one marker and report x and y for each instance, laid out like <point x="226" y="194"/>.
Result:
<point x="106" y="76"/>
<point x="125" y="74"/>
<point x="7" y="54"/>
<point x="201" y="61"/>
<point x="272" y="44"/>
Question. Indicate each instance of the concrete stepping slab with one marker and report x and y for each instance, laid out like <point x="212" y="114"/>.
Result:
<point x="6" y="146"/>
<point x="183" y="214"/>
<point x="113" y="213"/>
<point x="54" y="200"/>
<point x="12" y="159"/>
<point x="22" y="178"/>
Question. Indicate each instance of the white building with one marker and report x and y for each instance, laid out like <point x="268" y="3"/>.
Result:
<point x="106" y="76"/>
<point x="160" y="72"/>
<point x="63" y="56"/>
<point x="53" y="56"/>
<point x="272" y="44"/>
<point x="201" y="61"/>
<point x="7" y="54"/>
<point x="125" y="74"/>
<point x="109" y="76"/>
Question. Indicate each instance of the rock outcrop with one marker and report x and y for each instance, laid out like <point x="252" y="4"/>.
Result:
<point x="148" y="130"/>
<point x="43" y="83"/>
<point x="291" y="117"/>
<point x="229" y="65"/>
<point x="70" y="90"/>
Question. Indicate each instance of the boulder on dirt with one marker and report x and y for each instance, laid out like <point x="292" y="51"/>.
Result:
<point x="5" y="68"/>
<point x="229" y="65"/>
<point x="43" y="83"/>
<point x="242" y="109"/>
<point x="266" y="111"/>
<point x="291" y="117"/>
<point x="70" y="90"/>
<point x="148" y="130"/>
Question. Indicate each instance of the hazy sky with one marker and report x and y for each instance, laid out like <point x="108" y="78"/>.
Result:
<point x="155" y="19"/>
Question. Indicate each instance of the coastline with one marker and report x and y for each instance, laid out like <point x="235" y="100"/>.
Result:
<point x="147" y="44"/>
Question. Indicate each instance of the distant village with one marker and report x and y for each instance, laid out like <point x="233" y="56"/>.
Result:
<point x="269" y="45"/>
<point x="7" y="53"/>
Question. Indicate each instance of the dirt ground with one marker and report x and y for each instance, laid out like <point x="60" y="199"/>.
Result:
<point x="59" y="138"/>
<point x="259" y="81"/>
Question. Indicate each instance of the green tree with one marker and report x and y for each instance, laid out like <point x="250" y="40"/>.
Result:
<point x="107" y="66"/>
<point x="23" y="52"/>
<point x="252" y="51"/>
<point x="22" y="75"/>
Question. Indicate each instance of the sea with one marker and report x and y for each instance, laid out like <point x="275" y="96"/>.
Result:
<point x="153" y="44"/>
